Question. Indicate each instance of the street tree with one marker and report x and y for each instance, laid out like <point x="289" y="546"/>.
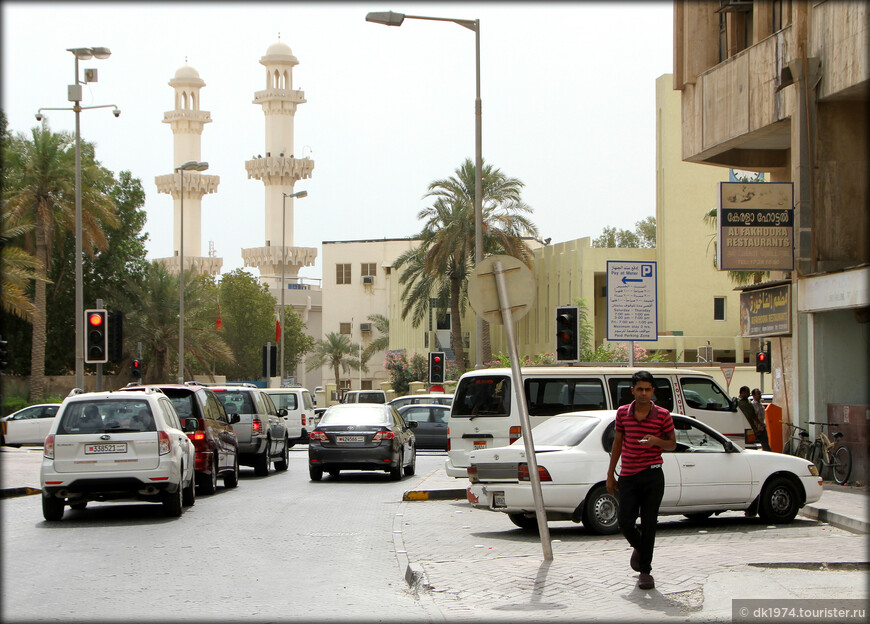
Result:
<point x="643" y="236"/>
<point x="382" y="342"/>
<point x="18" y="269"/>
<point x="338" y="352"/>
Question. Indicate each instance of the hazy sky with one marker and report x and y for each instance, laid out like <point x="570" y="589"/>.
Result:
<point x="568" y="93"/>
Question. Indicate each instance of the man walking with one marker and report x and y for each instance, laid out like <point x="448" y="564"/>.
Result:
<point x="760" y="426"/>
<point x="751" y="413"/>
<point x="643" y="431"/>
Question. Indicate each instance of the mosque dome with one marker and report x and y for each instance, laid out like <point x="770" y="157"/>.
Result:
<point x="279" y="48"/>
<point x="186" y="71"/>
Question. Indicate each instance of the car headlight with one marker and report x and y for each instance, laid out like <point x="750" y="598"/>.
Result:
<point x="813" y="470"/>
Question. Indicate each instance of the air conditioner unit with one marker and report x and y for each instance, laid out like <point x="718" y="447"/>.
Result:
<point x="365" y="327"/>
<point x="368" y="279"/>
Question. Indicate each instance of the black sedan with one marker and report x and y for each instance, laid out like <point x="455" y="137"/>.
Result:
<point x="431" y="431"/>
<point x="362" y="436"/>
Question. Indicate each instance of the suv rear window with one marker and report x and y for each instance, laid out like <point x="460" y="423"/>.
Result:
<point x="121" y="415"/>
<point x="236" y="401"/>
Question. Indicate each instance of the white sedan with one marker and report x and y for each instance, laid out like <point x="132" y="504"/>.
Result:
<point x="706" y="474"/>
<point x="29" y="425"/>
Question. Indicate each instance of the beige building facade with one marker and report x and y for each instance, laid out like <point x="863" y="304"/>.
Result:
<point x="782" y="86"/>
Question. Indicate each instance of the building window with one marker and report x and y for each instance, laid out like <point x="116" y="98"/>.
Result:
<point x="344" y="384"/>
<point x="443" y="322"/>
<point x="369" y="269"/>
<point x="344" y="328"/>
<point x="718" y="308"/>
<point x="365" y="384"/>
<point x="342" y="274"/>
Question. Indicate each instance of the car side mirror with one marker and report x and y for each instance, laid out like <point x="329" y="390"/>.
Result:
<point x="234" y="418"/>
<point x="733" y="405"/>
<point x="283" y="412"/>
<point x="190" y="425"/>
<point x="413" y="424"/>
<point x="729" y="446"/>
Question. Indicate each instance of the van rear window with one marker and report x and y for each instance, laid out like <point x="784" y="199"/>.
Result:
<point x="482" y="396"/>
<point x="620" y="390"/>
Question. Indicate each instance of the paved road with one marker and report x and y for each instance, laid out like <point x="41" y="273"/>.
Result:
<point x="277" y="548"/>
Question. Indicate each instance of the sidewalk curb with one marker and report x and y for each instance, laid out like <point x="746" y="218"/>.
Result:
<point x="417" y="495"/>
<point x="835" y="519"/>
<point x="18" y="491"/>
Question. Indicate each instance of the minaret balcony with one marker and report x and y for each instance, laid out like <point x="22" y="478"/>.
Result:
<point x="187" y="115"/>
<point x="282" y="95"/>
<point x="208" y="265"/>
<point x="279" y="169"/>
<point x="195" y="184"/>
<point x="271" y="256"/>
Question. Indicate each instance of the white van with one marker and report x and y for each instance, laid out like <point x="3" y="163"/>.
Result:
<point x="485" y="413"/>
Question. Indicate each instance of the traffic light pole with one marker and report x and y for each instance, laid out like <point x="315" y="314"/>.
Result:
<point x="100" y="366"/>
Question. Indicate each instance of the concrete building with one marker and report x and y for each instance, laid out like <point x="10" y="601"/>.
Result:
<point x="187" y="121"/>
<point x="782" y="86"/>
<point x="279" y="260"/>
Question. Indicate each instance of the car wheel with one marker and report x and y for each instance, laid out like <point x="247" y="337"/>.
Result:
<point x="231" y="479"/>
<point x="699" y="516"/>
<point x="78" y="506"/>
<point x="188" y="495"/>
<point x="396" y="471"/>
<point x="209" y="485"/>
<point x="316" y="474"/>
<point x="601" y="513"/>
<point x="779" y="501"/>
<point x="261" y="463"/>
<point x="334" y="472"/>
<point x="52" y="508"/>
<point x="284" y="463"/>
<point x="529" y="523"/>
<point x="411" y="468"/>
<point x="173" y="505"/>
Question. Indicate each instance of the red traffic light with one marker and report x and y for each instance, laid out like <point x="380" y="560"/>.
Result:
<point x="436" y="359"/>
<point x="95" y="319"/>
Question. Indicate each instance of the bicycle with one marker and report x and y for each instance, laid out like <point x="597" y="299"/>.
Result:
<point x="827" y="452"/>
<point x="798" y="443"/>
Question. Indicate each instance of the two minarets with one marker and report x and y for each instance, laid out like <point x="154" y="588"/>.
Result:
<point x="278" y="169"/>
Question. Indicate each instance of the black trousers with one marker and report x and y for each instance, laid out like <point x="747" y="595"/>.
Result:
<point x="641" y="495"/>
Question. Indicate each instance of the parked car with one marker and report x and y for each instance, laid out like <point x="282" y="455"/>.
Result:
<point x="261" y="430"/>
<point x="414" y="399"/>
<point x="214" y="440"/>
<point x="363" y="436"/>
<point x="28" y="426"/>
<point x="364" y="396"/>
<point x="431" y="419"/>
<point x="300" y="411"/>
<point x="117" y="446"/>
<point x="706" y="474"/>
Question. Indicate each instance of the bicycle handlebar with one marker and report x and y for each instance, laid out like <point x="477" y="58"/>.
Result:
<point x="821" y="423"/>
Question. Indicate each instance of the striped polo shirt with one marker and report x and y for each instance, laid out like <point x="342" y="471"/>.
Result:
<point x="636" y="457"/>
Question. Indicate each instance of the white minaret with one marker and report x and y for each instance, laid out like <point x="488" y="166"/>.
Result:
<point x="279" y="170"/>
<point x="187" y="121"/>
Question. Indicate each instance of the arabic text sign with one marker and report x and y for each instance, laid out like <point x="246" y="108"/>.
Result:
<point x="765" y="312"/>
<point x="756" y="226"/>
<point x="632" y="306"/>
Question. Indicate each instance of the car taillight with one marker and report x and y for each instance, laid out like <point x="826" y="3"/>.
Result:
<point x="196" y="435"/>
<point x="380" y="436"/>
<point x="448" y="438"/>
<point x="303" y="420"/>
<point x="164" y="442"/>
<point x="48" y="447"/>
<point x="256" y="425"/>
<point x="472" y="474"/>
<point x="318" y="436"/>
<point x="523" y="473"/>
<point x="514" y="434"/>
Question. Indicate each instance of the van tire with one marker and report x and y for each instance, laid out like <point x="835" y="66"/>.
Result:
<point x="261" y="462"/>
<point x="284" y="463"/>
<point x="209" y="482"/>
<point x="231" y="479"/>
<point x="601" y="512"/>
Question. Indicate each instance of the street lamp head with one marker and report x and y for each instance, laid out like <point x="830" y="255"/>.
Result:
<point x="38" y="116"/>
<point x="387" y="18"/>
<point x="83" y="54"/>
<point x="190" y="165"/>
<point x="102" y="53"/>
<point x="116" y="112"/>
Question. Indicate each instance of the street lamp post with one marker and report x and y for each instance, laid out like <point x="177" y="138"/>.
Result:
<point x="284" y="263"/>
<point x="190" y="165"/>
<point x="74" y="94"/>
<point x="389" y="18"/>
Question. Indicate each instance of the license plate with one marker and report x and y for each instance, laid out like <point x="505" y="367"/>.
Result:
<point x="120" y="447"/>
<point x="349" y="439"/>
<point x="479" y="444"/>
<point x="498" y="499"/>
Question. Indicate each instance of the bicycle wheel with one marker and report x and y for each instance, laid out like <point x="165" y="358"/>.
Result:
<point x="816" y="455"/>
<point x="789" y="448"/>
<point x="842" y="464"/>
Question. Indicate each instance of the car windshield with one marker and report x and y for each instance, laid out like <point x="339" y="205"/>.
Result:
<point x="357" y="415"/>
<point x="236" y="401"/>
<point x="568" y="431"/>
<point x="113" y="416"/>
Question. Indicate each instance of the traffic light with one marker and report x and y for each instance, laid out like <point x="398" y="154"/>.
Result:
<point x="270" y="361"/>
<point x="116" y="335"/>
<point x="4" y="354"/>
<point x="436" y="367"/>
<point x="136" y="369"/>
<point x="762" y="361"/>
<point x="567" y="334"/>
<point x="96" y="337"/>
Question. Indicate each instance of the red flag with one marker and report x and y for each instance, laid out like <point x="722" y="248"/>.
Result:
<point x="277" y="330"/>
<point x="219" y="322"/>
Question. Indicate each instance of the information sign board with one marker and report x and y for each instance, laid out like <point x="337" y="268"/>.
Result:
<point x="632" y="300"/>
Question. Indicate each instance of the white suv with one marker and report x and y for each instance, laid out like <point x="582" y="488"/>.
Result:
<point x="117" y="446"/>
<point x="300" y="411"/>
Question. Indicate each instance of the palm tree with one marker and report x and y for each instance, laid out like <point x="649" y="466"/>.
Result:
<point x="338" y="352"/>
<point x="40" y="190"/>
<point x="440" y="267"/>
<point x="17" y="269"/>
<point x="382" y="342"/>
<point x="154" y="323"/>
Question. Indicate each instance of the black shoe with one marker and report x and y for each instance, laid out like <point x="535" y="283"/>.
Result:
<point x="634" y="562"/>
<point x="645" y="581"/>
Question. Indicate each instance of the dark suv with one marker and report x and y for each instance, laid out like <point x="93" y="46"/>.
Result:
<point x="217" y="449"/>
